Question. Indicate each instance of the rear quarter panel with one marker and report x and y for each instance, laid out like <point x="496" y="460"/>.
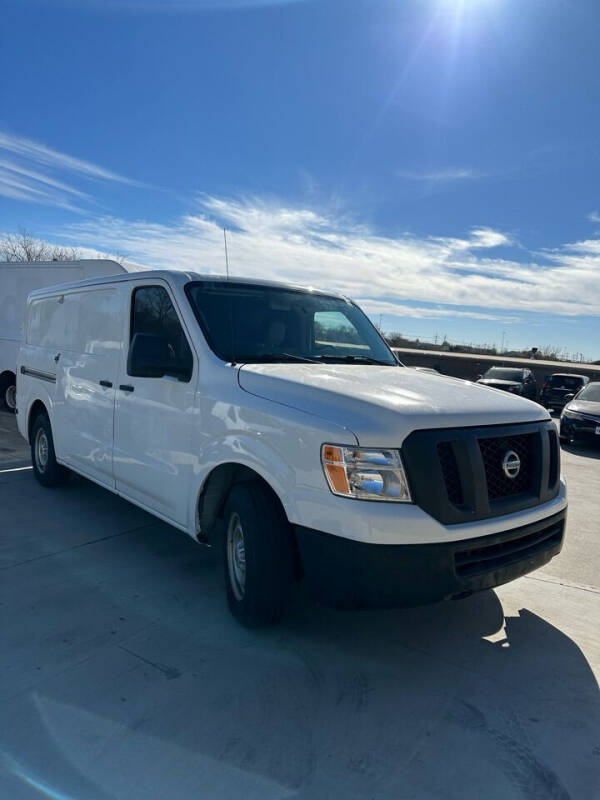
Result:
<point x="30" y="389"/>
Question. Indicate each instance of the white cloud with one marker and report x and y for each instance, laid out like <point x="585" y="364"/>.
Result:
<point x="594" y="216"/>
<point x="29" y="170"/>
<point x="480" y="238"/>
<point x="269" y="240"/>
<point x="447" y="174"/>
<point x="375" y="307"/>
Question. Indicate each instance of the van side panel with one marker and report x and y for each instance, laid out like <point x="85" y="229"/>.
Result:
<point x="37" y="359"/>
<point x="86" y="380"/>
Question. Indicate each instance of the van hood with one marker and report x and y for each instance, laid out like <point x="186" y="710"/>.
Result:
<point x="382" y="405"/>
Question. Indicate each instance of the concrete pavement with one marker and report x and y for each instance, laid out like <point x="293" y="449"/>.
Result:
<point x="123" y="675"/>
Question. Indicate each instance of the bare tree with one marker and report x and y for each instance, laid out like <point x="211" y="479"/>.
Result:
<point x="21" y="246"/>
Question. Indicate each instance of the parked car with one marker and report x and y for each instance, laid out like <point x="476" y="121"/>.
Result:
<point x="510" y="379"/>
<point x="276" y="422"/>
<point x="16" y="281"/>
<point x="580" y="418"/>
<point x="559" y="386"/>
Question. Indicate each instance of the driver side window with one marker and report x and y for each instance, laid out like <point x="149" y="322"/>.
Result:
<point x="158" y="345"/>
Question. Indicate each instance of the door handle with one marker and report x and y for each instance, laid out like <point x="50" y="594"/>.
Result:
<point x="106" y="384"/>
<point x="56" y="357"/>
<point x="126" y="387"/>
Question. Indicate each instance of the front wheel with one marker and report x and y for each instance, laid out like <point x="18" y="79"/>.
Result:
<point x="46" y="468"/>
<point x="257" y="555"/>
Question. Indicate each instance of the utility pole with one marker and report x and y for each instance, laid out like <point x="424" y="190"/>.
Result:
<point x="502" y="345"/>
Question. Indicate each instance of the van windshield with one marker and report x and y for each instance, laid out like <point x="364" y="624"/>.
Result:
<point x="261" y="324"/>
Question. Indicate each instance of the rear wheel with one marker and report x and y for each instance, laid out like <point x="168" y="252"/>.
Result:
<point x="257" y="555"/>
<point x="46" y="468"/>
<point x="8" y="393"/>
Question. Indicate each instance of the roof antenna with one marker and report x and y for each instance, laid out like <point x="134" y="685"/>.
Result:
<point x="226" y="256"/>
<point x="230" y="301"/>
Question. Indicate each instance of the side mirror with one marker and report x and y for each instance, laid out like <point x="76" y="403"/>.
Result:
<point x="569" y="397"/>
<point x="479" y="377"/>
<point x="149" y="356"/>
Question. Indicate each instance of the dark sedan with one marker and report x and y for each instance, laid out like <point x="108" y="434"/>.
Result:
<point x="580" y="418"/>
<point x="510" y="379"/>
<point x="560" y="386"/>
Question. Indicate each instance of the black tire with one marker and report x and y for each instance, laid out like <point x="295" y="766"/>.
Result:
<point x="46" y="468"/>
<point x="268" y="555"/>
<point x="8" y="390"/>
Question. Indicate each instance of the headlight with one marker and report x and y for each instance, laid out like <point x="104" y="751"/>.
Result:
<point x="365" y="473"/>
<point x="572" y="415"/>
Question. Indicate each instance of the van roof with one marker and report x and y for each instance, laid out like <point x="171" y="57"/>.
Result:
<point x="174" y="276"/>
<point x="71" y="263"/>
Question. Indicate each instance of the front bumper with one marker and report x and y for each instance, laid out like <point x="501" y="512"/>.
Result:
<point x="571" y="428"/>
<point x="350" y="574"/>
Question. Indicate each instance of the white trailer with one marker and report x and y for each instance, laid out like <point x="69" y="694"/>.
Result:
<point x="16" y="281"/>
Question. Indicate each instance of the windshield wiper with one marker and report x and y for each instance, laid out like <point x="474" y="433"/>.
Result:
<point x="356" y="360"/>
<point x="318" y="359"/>
<point x="275" y="357"/>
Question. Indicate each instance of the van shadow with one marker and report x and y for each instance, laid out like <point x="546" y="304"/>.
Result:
<point x="465" y="699"/>
<point x="459" y="691"/>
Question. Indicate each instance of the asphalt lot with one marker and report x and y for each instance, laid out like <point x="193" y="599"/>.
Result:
<point x="123" y="675"/>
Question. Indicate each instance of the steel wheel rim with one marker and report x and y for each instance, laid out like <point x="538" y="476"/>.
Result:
<point x="236" y="556"/>
<point x="41" y="450"/>
<point x="11" y="397"/>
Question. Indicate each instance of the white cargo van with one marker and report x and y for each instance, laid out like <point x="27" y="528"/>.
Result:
<point x="276" y="421"/>
<point x="16" y="281"/>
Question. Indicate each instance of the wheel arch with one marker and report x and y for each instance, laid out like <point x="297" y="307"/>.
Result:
<point x="37" y="407"/>
<point x="213" y="493"/>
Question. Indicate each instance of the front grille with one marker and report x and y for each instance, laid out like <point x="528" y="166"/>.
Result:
<point x="450" y="470"/>
<point x="493" y="450"/>
<point x="487" y="558"/>
<point x="456" y="474"/>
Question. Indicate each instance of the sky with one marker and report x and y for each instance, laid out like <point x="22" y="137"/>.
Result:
<point x="436" y="160"/>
